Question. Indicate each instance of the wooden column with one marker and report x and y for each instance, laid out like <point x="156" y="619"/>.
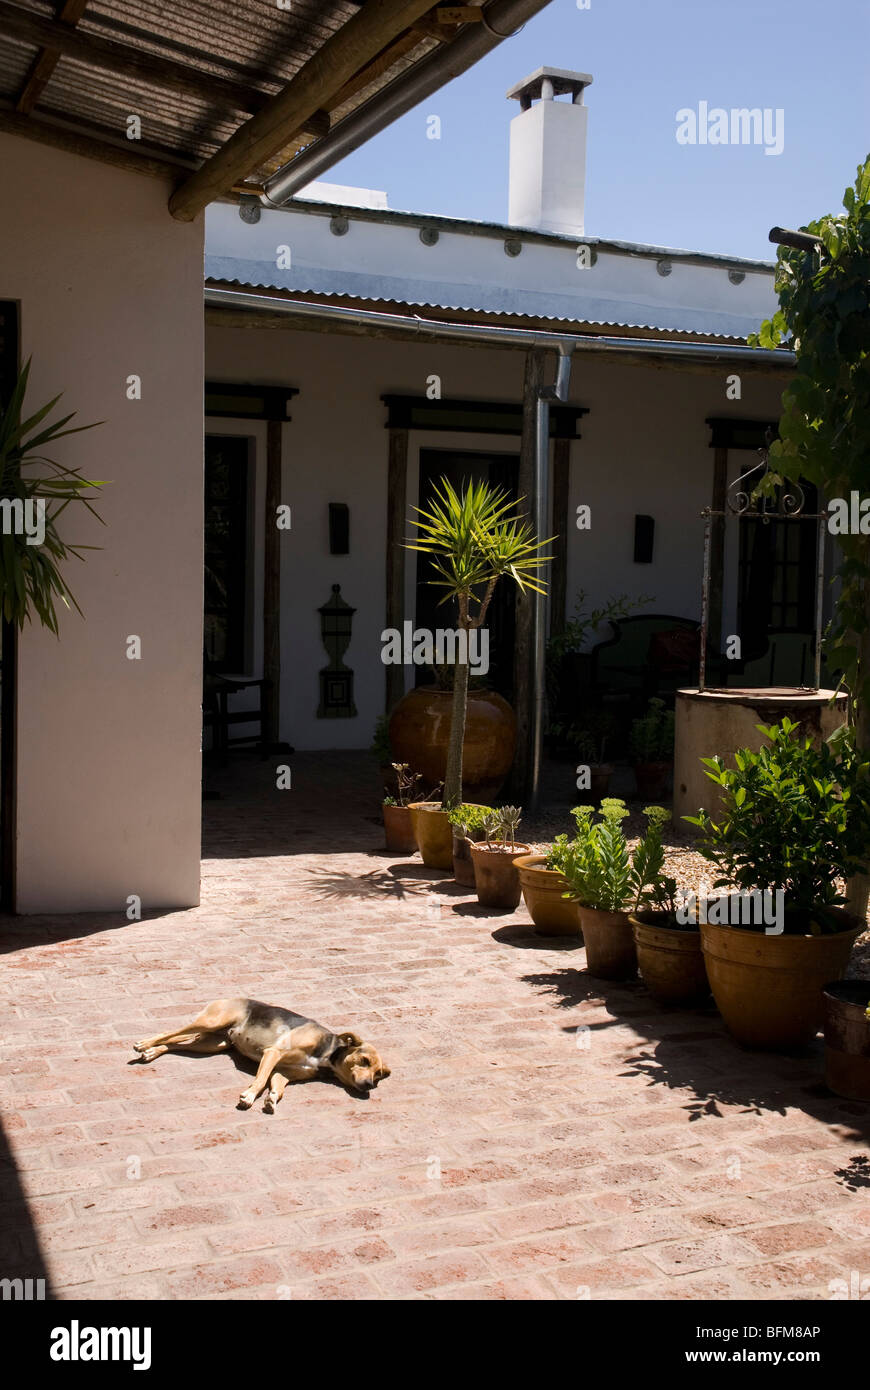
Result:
<point x="397" y="492"/>
<point x="272" y="586"/>
<point x="717" y="548"/>
<point x="523" y="682"/>
<point x="559" y="530"/>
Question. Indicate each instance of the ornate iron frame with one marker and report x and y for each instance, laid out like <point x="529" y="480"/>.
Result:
<point x="742" y="500"/>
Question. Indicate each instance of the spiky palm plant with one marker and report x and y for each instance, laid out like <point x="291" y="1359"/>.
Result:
<point x="474" y="538"/>
<point x="31" y="579"/>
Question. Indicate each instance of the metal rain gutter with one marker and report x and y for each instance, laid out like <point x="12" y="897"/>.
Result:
<point x="499" y="20"/>
<point x="430" y="329"/>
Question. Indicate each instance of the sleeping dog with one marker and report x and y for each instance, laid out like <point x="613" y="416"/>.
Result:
<point x="287" y="1046"/>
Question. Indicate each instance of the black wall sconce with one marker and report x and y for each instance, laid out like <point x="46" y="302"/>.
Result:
<point x="339" y="528"/>
<point x="644" y="537"/>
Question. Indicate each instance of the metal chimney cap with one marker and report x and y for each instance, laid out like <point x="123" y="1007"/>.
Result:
<point x="560" y="81"/>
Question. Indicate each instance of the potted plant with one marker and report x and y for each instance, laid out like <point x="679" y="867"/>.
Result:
<point x="419" y="732"/>
<point x="652" y="745"/>
<point x="398" y="826"/>
<point x="472" y="538"/>
<point x="544" y="891"/>
<point x="608" y="882"/>
<point x="847" y="1038"/>
<point x="665" y="926"/>
<point x="31" y="578"/>
<point x="495" y="874"/>
<point x="466" y="822"/>
<point x="795" y="824"/>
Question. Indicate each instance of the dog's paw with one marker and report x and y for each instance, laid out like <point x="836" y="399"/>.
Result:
<point x="140" y="1047"/>
<point x="246" y="1100"/>
<point x="269" y="1105"/>
<point x="147" y="1054"/>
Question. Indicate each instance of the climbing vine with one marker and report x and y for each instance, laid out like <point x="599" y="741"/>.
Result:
<point x="824" y="315"/>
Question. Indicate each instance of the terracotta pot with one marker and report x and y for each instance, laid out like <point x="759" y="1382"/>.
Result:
<point x="463" y="869"/>
<point x="610" y="949"/>
<point x="652" y="780"/>
<point x="847" y="1038"/>
<point x="399" y="829"/>
<point x="495" y="875"/>
<point x="542" y="891"/>
<point x="670" y="959"/>
<point x="433" y="833"/>
<point x="768" y="989"/>
<point x="420" y="729"/>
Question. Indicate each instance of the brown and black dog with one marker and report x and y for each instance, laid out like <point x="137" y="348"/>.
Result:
<point x="287" y="1046"/>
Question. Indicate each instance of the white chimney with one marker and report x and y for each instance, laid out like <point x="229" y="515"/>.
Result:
<point x="548" y="152"/>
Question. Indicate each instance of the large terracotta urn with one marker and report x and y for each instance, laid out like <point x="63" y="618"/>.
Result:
<point x="420" y="728"/>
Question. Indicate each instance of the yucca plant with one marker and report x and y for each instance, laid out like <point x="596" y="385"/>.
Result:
<point x="31" y="578"/>
<point x="474" y="538"/>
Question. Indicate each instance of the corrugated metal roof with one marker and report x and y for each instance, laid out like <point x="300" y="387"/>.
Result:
<point x="249" y="41"/>
<point x="596" y="311"/>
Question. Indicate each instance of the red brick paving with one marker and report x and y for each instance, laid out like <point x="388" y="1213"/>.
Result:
<point x="508" y="1156"/>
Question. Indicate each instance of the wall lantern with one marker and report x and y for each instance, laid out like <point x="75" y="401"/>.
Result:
<point x="336" y="679"/>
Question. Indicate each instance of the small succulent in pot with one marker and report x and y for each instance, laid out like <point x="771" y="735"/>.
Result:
<point x="495" y="875"/>
<point x="510" y="817"/>
<point x="406" y="785"/>
<point x="467" y="823"/>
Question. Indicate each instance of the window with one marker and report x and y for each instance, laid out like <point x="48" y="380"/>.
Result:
<point x="226" y="587"/>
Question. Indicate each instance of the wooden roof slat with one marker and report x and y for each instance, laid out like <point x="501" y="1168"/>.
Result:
<point x="355" y="44"/>
<point x="63" y="40"/>
<point x="47" y="59"/>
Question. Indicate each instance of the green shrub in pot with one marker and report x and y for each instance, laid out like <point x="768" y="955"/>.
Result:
<point x="795" y="821"/>
<point x="608" y="881"/>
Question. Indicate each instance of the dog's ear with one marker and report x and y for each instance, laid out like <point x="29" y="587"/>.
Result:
<point x="349" y="1039"/>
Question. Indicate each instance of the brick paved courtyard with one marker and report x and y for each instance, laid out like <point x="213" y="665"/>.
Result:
<point x="543" y="1135"/>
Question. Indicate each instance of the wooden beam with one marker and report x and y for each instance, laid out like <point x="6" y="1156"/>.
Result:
<point x="397" y="489"/>
<point x="73" y="142"/>
<point x="271" y="704"/>
<point x="124" y="60"/>
<point x="378" y="66"/>
<point x="559" y="529"/>
<point x="356" y="43"/>
<point x="47" y="60"/>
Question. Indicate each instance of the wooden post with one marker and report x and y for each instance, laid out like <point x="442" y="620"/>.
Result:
<point x="272" y="586"/>
<point x="559" y="530"/>
<point x="717" y="548"/>
<point x="523" y="676"/>
<point x="334" y="63"/>
<point x="397" y="490"/>
<point x="8" y="758"/>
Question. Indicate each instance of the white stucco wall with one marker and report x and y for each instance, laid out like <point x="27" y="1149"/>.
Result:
<point x="644" y="449"/>
<point x="108" y="748"/>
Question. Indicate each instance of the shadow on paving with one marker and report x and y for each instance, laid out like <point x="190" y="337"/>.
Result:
<point x="48" y="930"/>
<point x="689" y="1050"/>
<point x="21" y="1257"/>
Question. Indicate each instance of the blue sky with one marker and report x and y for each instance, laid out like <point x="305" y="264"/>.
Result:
<point x="648" y="61"/>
